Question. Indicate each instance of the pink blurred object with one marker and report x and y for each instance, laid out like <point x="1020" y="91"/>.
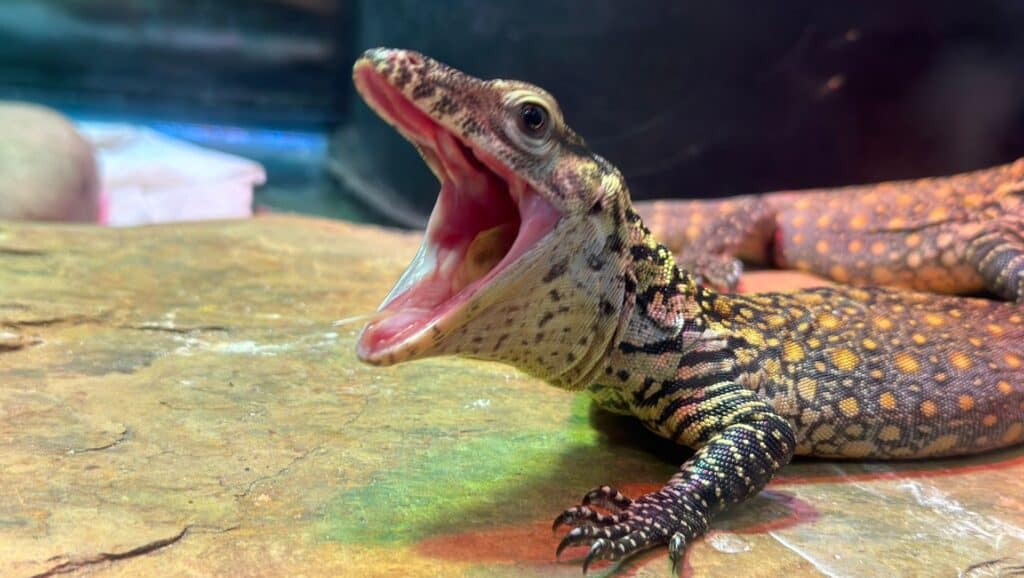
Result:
<point x="147" y="177"/>
<point x="103" y="214"/>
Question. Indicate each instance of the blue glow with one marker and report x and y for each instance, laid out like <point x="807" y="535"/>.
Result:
<point x="233" y="136"/>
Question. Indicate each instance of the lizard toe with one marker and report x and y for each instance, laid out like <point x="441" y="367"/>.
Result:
<point x="618" y="548"/>
<point x="607" y="497"/>
<point x="584" y="515"/>
<point x="676" y="549"/>
<point x="588" y="535"/>
<point x="601" y="548"/>
<point x="580" y="536"/>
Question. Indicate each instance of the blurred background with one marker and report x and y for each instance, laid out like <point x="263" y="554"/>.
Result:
<point x="689" y="99"/>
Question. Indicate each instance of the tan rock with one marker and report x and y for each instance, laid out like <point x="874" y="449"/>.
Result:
<point x="47" y="170"/>
<point x="178" y="401"/>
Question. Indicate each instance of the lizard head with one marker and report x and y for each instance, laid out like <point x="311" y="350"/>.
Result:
<point x="523" y="259"/>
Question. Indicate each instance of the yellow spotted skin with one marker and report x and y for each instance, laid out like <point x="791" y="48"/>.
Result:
<point x="898" y="376"/>
<point x="857" y="372"/>
<point x="598" y="304"/>
<point x="960" y="234"/>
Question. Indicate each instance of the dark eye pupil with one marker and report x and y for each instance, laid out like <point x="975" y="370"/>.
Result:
<point x="533" y="116"/>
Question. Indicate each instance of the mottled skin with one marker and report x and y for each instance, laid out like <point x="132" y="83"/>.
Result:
<point x="746" y="380"/>
<point x="960" y="234"/>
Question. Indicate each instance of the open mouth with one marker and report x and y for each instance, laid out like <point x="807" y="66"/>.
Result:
<point x="486" y="218"/>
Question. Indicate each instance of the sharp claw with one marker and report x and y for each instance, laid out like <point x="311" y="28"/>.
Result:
<point x="573" y="515"/>
<point x="558" y="522"/>
<point x="568" y="540"/>
<point x="676" y="548"/>
<point x="597" y="551"/>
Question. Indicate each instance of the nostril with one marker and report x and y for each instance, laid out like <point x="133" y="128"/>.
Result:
<point x="414" y="58"/>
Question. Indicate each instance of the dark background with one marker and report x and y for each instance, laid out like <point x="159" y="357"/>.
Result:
<point x="689" y="98"/>
<point x="276" y="62"/>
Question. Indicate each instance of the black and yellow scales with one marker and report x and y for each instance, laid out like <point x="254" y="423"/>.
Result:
<point x="535" y="257"/>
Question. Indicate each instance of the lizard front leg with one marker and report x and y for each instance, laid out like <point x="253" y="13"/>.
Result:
<point x="709" y="238"/>
<point x="742" y="442"/>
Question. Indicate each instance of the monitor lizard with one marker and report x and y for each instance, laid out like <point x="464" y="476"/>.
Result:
<point x="534" y="256"/>
<point x="960" y="234"/>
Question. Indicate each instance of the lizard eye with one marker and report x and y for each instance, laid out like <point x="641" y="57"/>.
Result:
<point x="533" y="118"/>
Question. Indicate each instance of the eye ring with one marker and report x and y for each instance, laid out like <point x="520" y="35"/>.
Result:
<point x="534" y="119"/>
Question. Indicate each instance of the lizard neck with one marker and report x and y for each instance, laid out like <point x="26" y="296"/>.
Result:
<point x="671" y="327"/>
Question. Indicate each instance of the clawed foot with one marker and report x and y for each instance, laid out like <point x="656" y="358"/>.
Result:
<point x="630" y="526"/>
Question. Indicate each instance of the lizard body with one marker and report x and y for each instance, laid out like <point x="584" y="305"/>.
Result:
<point x="535" y="257"/>
<point x="960" y="234"/>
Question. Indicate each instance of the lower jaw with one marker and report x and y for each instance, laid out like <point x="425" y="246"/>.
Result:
<point x="411" y="330"/>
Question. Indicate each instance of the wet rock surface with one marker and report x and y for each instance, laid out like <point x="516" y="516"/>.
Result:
<point x="177" y="401"/>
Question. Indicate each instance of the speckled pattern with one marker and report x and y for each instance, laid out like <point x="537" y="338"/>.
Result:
<point x="748" y="381"/>
<point x="959" y="234"/>
<point x="191" y="377"/>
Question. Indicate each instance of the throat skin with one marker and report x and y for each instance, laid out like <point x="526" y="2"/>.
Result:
<point x="676" y="337"/>
<point x="563" y="327"/>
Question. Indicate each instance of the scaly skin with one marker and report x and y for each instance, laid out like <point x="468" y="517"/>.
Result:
<point x="960" y="234"/>
<point x="747" y="380"/>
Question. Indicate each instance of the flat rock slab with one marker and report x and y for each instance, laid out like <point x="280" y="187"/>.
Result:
<point x="177" y="401"/>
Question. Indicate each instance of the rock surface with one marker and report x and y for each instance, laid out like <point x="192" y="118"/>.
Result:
<point x="177" y="401"/>
<point x="47" y="169"/>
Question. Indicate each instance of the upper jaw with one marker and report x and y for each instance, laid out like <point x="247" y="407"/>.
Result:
<point x="487" y="222"/>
